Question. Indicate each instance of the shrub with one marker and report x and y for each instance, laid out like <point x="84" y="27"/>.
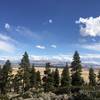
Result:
<point x="4" y="97"/>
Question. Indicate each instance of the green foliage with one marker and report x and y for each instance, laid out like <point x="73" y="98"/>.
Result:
<point x="26" y="95"/>
<point x="76" y="63"/>
<point x="25" y="63"/>
<point x="25" y="66"/>
<point x="17" y="81"/>
<point x="56" y="78"/>
<point x="4" y="97"/>
<point x="47" y="69"/>
<point x="33" y="76"/>
<point x="81" y="96"/>
<point x="65" y="77"/>
<point x="6" y="77"/>
<point x="27" y="78"/>
<point x="98" y="77"/>
<point x="92" y="77"/>
<point x="38" y="78"/>
<point x="48" y="79"/>
<point x="63" y="90"/>
<point x="77" y="80"/>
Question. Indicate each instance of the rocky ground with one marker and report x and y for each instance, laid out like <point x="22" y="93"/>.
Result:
<point x="40" y="96"/>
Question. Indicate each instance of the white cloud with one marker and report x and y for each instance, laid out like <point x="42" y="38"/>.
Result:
<point x="57" y="59"/>
<point x="89" y="26"/>
<point x="50" y="21"/>
<point x="40" y="47"/>
<point x="7" y="26"/>
<point x="93" y="46"/>
<point x="4" y="37"/>
<point x="85" y="58"/>
<point x="53" y="59"/>
<point x="11" y="58"/>
<point x="53" y="46"/>
<point x="27" y="32"/>
<point x="5" y="46"/>
<point x="6" y="43"/>
<point x="62" y="57"/>
<point x="35" y="57"/>
<point x="90" y="56"/>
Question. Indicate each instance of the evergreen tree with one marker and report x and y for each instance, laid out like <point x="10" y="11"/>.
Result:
<point x="6" y="72"/>
<point x="98" y="77"/>
<point x="33" y="76"/>
<point x="17" y="81"/>
<point x="1" y="81"/>
<point x="65" y="77"/>
<point x="47" y="69"/>
<point x="25" y="66"/>
<point x="77" y="80"/>
<point x="38" y="78"/>
<point x="92" y="77"/>
<point x="56" y="78"/>
<point x="48" y="78"/>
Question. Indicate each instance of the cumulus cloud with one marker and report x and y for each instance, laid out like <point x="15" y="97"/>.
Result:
<point x="89" y="26"/>
<point x="53" y="46"/>
<point x="40" y="47"/>
<point x="7" y="26"/>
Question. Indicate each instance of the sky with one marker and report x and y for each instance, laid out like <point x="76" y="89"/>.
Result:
<point x="50" y="29"/>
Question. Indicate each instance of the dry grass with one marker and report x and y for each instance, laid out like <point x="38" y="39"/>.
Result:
<point x="85" y="71"/>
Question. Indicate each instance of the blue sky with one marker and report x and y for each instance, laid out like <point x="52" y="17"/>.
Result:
<point x="50" y="29"/>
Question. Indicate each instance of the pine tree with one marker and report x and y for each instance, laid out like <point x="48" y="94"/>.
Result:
<point x="17" y="81"/>
<point x="6" y="72"/>
<point x="1" y="80"/>
<point x="77" y="80"/>
<point x="47" y="69"/>
<point x="38" y="78"/>
<point x="98" y="77"/>
<point x="92" y="77"/>
<point x="33" y="76"/>
<point x="48" y="78"/>
<point x="56" y="78"/>
<point x="65" y="77"/>
<point x="25" y="66"/>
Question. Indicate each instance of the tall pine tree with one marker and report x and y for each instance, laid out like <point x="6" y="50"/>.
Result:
<point x="76" y="66"/>
<point x="38" y="78"/>
<point x="56" y="78"/>
<point x="6" y="73"/>
<point x="17" y="81"/>
<point x="65" y="77"/>
<point x="92" y="77"/>
<point x="33" y="76"/>
<point x="25" y="66"/>
<point x="48" y="78"/>
<point x="98" y="77"/>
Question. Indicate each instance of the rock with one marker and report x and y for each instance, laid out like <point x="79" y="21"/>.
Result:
<point x="20" y="98"/>
<point x="65" y="97"/>
<point x="40" y="98"/>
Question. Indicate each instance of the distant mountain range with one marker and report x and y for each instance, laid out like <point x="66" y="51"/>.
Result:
<point x="53" y="63"/>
